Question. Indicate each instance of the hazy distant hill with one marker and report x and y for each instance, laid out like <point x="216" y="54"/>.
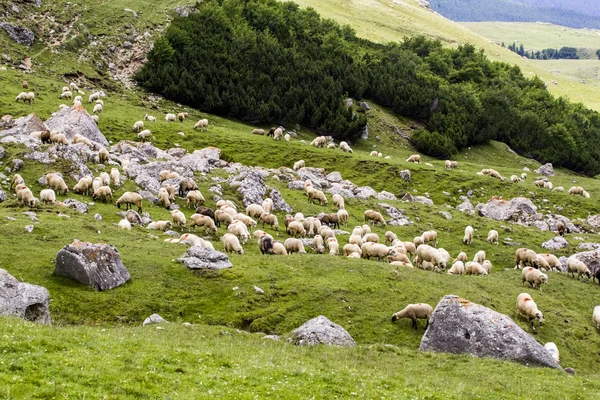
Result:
<point x="572" y="13"/>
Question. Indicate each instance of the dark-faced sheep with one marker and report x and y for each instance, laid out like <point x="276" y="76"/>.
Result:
<point x="415" y="312"/>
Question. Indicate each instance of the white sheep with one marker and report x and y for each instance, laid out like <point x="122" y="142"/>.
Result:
<point x="258" y="132"/>
<point x="299" y="164"/>
<point x="534" y="277"/>
<point x="415" y="158"/>
<point x="548" y="185"/>
<point x="193" y="240"/>
<point x="296" y="228"/>
<point x="574" y="265"/>
<point x="53" y="181"/>
<point x="182" y="116"/>
<point x="96" y="183"/>
<point x="333" y="246"/>
<point x="149" y="118"/>
<point x="468" y="238"/>
<point x="315" y="194"/>
<point x="552" y="262"/>
<point x="202" y="125"/>
<point x="426" y="253"/>
<point x="269" y="219"/>
<point x="25" y="196"/>
<point x="115" y="176"/>
<point x="16" y="180"/>
<point x="479" y="256"/>
<point x="105" y="178"/>
<point x="343" y="217"/>
<point x="138" y="126"/>
<point x="559" y="189"/>
<point x="430" y="237"/>
<point x="47" y="196"/>
<point x="254" y="210"/>
<point x="374" y="217"/>
<point x="170" y="117"/>
<point x="97" y="109"/>
<point x="370" y="237"/>
<point x="66" y="95"/>
<point x="524" y="176"/>
<point x="350" y="248"/>
<point x="487" y="266"/>
<point x="458" y="268"/>
<point x="100" y="102"/>
<point x="338" y="201"/>
<point x="82" y="139"/>
<point x="492" y="237"/>
<point x="319" y="141"/>
<point x="474" y="268"/>
<point x="415" y="312"/>
<point x="345" y="147"/>
<point x="553" y="350"/>
<point x="102" y="193"/>
<point x="596" y="316"/>
<point x="526" y="257"/>
<point x="249" y="222"/>
<point x="278" y="134"/>
<point x="194" y="198"/>
<point x="160" y="225"/>
<point x="95" y="119"/>
<point x="178" y="218"/>
<point x="527" y="307"/>
<point x="267" y="205"/>
<point x="93" y="97"/>
<point x="232" y="244"/>
<point x="239" y="229"/>
<point x="355" y="256"/>
<point x="318" y="244"/>
<point x="103" y="156"/>
<point x="26" y="97"/>
<point x="279" y="249"/>
<point x="124" y="224"/>
<point x="293" y="245"/>
<point x="203" y="221"/>
<point x="130" y="199"/>
<point x="144" y="135"/>
<point x="381" y="251"/>
<point x="222" y="216"/>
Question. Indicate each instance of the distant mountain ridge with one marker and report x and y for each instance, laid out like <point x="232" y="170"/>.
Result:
<point x="571" y="13"/>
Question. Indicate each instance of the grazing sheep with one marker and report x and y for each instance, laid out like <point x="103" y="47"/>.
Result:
<point x="468" y="238"/>
<point x="130" y="199"/>
<point x="95" y="119"/>
<point x="487" y="266"/>
<point x="315" y="194"/>
<point x="267" y="205"/>
<point x="269" y="219"/>
<point x="265" y="244"/>
<point x="58" y="138"/>
<point x="410" y="248"/>
<point x="16" y="180"/>
<point x="338" y="201"/>
<point x="553" y="350"/>
<point x="138" y="126"/>
<point x="202" y="221"/>
<point x="551" y="262"/>
<point x="53" y="181"/>
<point x="430" y="237"/>
<point x="170" y="117"/>
<point x="93" y="97"/>
<point x="330" y="220"/>
<point x="458" y="268"/>
<point x="105" y="178"/>
<point x="144" y="135"/>
<point x="415" y="158"/>
<point x="25" y="196"/>
<point x="534" y="277"/>
<point x="415" y="312"/>
<point x="73" y="86"/>
<point x="97" y="109"/>
<point x="542" y="263"/>
<point x="278" y="134"/>
<point x="66" y="95"/>
<point x="47" y="196"/>
<point x="355" y="239"/>
<point x="228" y="203"/>
<point x="451" y="164"/>
<point x="525" y="257"/>
<point x="163" y="197"/>
<point x="351" y="248"/>
<point x="548" y="185"/>
<point x="576" y="266"/>
<point x="181" y="116"/>
<point x="295" y="228"/>
<point x="193" y="240"/>
<point x="576" y="190"/>
<point x="206" y="211"/>
<point x="319" y="141"/>
<point x="474" y="268"/>
<point x="249" y="222"/>
<point x="373" y="153"/>
<point x="492" y="237"/>
<point x="82" y="139"/>
<point x="254" y="210"/>
<point x="326" y="232"/>
<point x="527" y="307"/>
<point x="149" y="118"/>
<point x="239" y="229"/>
<point x="345" y="147"/>
<point x="165" y="175"/>
<point x="115" y="175"/>
<point x="24" y="85"/>
<point x="194" y="198"/>
<point x="96" y="183"/>
<point x="357" y="256"/>
<point x="445" y="255"/>
<point x="299" y="164"/>
<point x="222" y="216"/>
<point x="343" y="216"/>
<point x="186" y="185"/>
<point x="25" y="97"/>
<point x="232" y="244"/>
<point x="293" y="245"/>
<point x="462" y="256"/>
<point x="279" y="249"/>
<point x="102" y="193"/>
<point x="103" y="156"/>
<point x="333" y="246"/>
<point x="514" y="179"/>
<point x="229" y="210"/>
<point x="287" y="137"/>
<point x="431" y="255"/>
<point x="318" y="244"/>
<point x="479" y="256"/>
<point x="160" y="225"/>
<point x="418" y="241"/>
<point x="596" y="316"/>
<point x="371" y="237"/>
<point x="559" y="189"/>
<point x="381" y="251"/>
<point x="84" y="185"/>
<point x="258" y="132"/>
<point x="202" y="125"/>
<point x="178" y="218"/>
<point x="374" y="217"/>
<point x="124" y="224"/>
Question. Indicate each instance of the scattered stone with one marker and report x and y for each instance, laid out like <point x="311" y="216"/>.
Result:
<point x="32" y="216"/>
<point x="154" y="319"/>
<point x="19" y="34"/>
<point x="23" y="300"/>
<point x="29" y="228"/>
<point x="569" y="370"/>
<point x="127" y="45"/>
<point x="557" y="242"/>
<point x="446" y="214"/>
<point x="2" y="196"/>
<point x="271" y="337"/>
<point x="365" y="192"/>
<point x="95" y="265"/>
<point x="258" y="290"/>
<point x="76" y="205"/>
<point x="416" y="199"/>
<point x="546" y="170"/>
<point x="321" y="330"/>
<point x="11" y="218"/>
<point x="98" y="217"/>
<point x="588" y="246"/>
<point x="446" y="193"/>
<point x="364" y="105"/>
<point x="172" y="234"/>
<point x="17" y="164"/>
<point x="594" y="221"/>
<point x="365" y="133"/>
<point x="465" y="205"/>
<point x="405" y="175"/>
<point x="512" y="210"/>
<point x="250" y="183"/>
<point x="458" y="326"/>
<point x="383" y="195"/>
<point x="315" y="175"/>
<point x="197" y="257"/>
<point x="279" y="203"/>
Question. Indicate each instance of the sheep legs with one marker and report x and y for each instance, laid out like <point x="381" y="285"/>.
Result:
<point x="414" y="323"/>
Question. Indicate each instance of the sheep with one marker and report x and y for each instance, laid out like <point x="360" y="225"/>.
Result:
<point x="315" y="194"/>
<point x="66" y="95"/>
<point x="326" y="232"/>
<point x="138" y="126"/>
<point x="170" y="117"/>
<point x="124" y="224"/>
<point x="181" y="116"/>
<point x="160" y="225"/>
<point x="163" y="198"/>
<point x="202" y="221"/>
<point x="525" y="257"/>
<point x="430" y="237"/>
<point x="78" y="100"/>
<point x="430" y="254"/>
<point x="93" y="97"/>
<point x="73" y="86"/>
<point x="548" y="185"/>
<point x="269" y="219"/>
<point x="596" y="316"/>
<point x="373" y="153"/>
<point x="171" y="190"/>
<point x="58" y="138"/>
<point x="102" y="193"/>
<point x="103" y="156"/>
<point x="239" y="229"/>
<point x="96" y="183"/>
<point x="370" y="237"/>
<point x="330" y="220"/>
<point x="451" y="164"/>
<point x="355" y="255"/>
<point x="468" y="238"/>
<point x="351" y="248"/>
<point x="345" y="147"/>
<point x="374" y="217"/>
<point x="130" y="199"/>
<point x="229" y="210"/>
<point x="206" y="211"/>
<point x="542" y="263"/>
<point x="278" y="134"/>
<point x="487" y="266"/>
<point x="165" y="175"/>
<point x="331" y="146"/>
<point x="193" y="240"/>
<point x="462" y="256"/>
<point x="552" y="261"/>
<point x="97" y="109"/>
<point x="338" y="201"/>
<point x="82" y="139"/>
<point x="299" y="164"/>
<point x="296" y="228"/>
<point x="95" y="119"/>
<point x="202" y="125"/>
<point x="414" y="312"/>
<point x="100" y="102"/>
<point x="53" y="181"/>
<point x="458" y="268"/>
<point x="381" y="251"/>
<point x="105" y="178"/>
<point x="479" y="256"/>
<point x="115" y="175"/>
<point x="48" y="196"/>
<point x="178" y="218"/>
<point x="254" y="210"/>
<point x="231" y="244"/>
<point x="228" y="203"/>
<point x="267" y="205"/>
<point x="24" y="85"/>
<point x="293" y="245"/>
<point x="343" y="216"/>
<point x="553" y="350"/>
<point x="415" y="158"/>
<point x="319" y="141"/>
<point x="333" y="246"/>
<point x="222" y="216"/>
<point x="576" y="190"/>
<point x="355" y="239"/>
<point x="445" y="255"/>
<point x="287" y="137"/>
<point x="149" y="118"/>
<point x="527" y="307"/>
<point x="186" y="185"/>
<point x="194" y="198"/>
<point x="318" y="244"/>
<point x="410" y="248"/>
<point x="279" y="249"/>
<point x="265" y="243"/>
<point x="25" y="97"/>
<point x="249" y="222"/>
<point x="16" y="180"/>
<point x="25" y="196"/>
<point x="417" y="241"/>
<point x="144" y="135"/>
<point x="539" y="183"/>
<point x="474" y="268"/>
<point x="534" y="277"/>
<point x="514" y="179"/>
<point x="492" y="237"/>
<point x="575" y="265"/>
<point x="258" y="132"/>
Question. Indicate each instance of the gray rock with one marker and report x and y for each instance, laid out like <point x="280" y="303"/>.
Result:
<point x="365" y="106"/>
<point x="446" y="214"/>
<point x="2" y="152"/>
<point x="590" y="258"/>
<point x="200" y="160"/>
<point x="594" y="221"/>
<point x="346" y="191"/>
<point x="250" y="183"/>
<point x="349" y="103"/>
<point x="296" y="185"/>
<point x="127" y="45"/>
<point x="258" y="290"/>
<point x="365" y="133"/>
<point x="331" y="177"/>
<point x="172" y="233"/>
<point x="392" y="211"/>
<point x="588" y="246"/>
<point x="383" y="195"/>
<point x="32" y="216"/>
<point x="95" y="265"/>
<point x="405" y="175"/>
<point x="321" y="330"/>
<point x="76" y="205"/>
<point x="19" y="34"/>
<point x="513" y="210"/>
<point x="197" y="257"/>
<point x="23" y="300"/>
<point x="98" y="217"/>
<point x="271" y="337"/>
<point x="460" y="327"/>
<point x="545" y="170"/>
<point x="446" y="193"/>
<point x="416" y="199"/>
<point x="278" y="201"/>
<point x="557" y="242"/>
<point x="42" y="157"/>
<point x="154" y="319"/>
<point x="177" y="152"/>
<point x="76" y="120"/>
<point x="29" y="228"/>
<point x="469" y="193"/>
<point x="132" y="216"/>
<point x="365" y="192"/>
<point x="315" y="175"/>
<point x="17" y="164"/>
<point x="2" y="196"/>
<point x="465" y="205"/>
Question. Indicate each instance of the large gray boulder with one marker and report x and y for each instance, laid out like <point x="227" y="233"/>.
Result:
<point x="199" y="160"/>
<point x="251" y="184"/>
<point x="23" y="300"/>
<point x="460" y="327"/>
<point x="315" y="175"/>
<point x="364" y="192"/>
<point x="197" y="257"/>
<point x="321" y="330"/>
<point x="557" y="242"/>
<point x="95" y="265"/>
<point x="76" y="205"/>
<point x="546" y="170"/>
<point x="405" y="175"/>
<point x="19" y="34"/>
<point x="279" y="203"/>
<point x="23" y="126"/>
<point x="76" y="120"/>
<point x="2" y="196"/>
<point x="512" y="210"/>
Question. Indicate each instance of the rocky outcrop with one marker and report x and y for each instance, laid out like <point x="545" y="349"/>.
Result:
<point x="76" y="120"/>
<point x="23" y="127"/>
<point x="95" y="265"/>
<point x="279" y="203"/>
<point x="546" y="170"/>
<point x="364" y="192"/>
<point x="557" y="242"/>
<point x="315" y="175"/>
<point x="398" y="217"/>
<point x="321" y="330"/>
<point x="416" y="199"/>
<point x="334" y="177"/>
<point x="197" y="257"/>
<point x="405" y="175"/>
<point x="512" y="210"/>
<point x="460" y="327"/>
<point x="76" y="205"/>
<point x="19" y="34"/>
<point x="23" y="300"/>
<point x="590" y="258"/>
<point x="200" y="160"/>
<point x="250" y="183"/>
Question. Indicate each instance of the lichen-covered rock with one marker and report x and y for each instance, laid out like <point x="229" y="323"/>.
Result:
<point x="197" y="257"/>
<point x="23" y="300"/>
<point x="460" y="327"/>
<point x="95" y="265"/>
<point x="512" y="210"/>
<point x="416" y="199"/>
<point x="76" y="120"/>
<point x="557" y="242"/>
<point x="321" y="330"/>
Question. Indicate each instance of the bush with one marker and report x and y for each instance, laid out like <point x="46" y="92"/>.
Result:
<point x="433" y="144"/>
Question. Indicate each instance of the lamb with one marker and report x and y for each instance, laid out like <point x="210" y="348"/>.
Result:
<point x="53" y="181"/>
<point x="574" y="265"/>
<point x="474" y="268"/>
<point x="299" y="164"/>
<point x="47" y="196"/>
<point x="130" y="199"/>
<point x="269" y="219"/>
<point x="345" y="147"/>
<point x="493" y="237"/>
<point x="258" y="132"/>
<point x="371" y="237"/>
<point x="194" y="198"/>
<point x="333" y="245"/>
<point x="115" y="175"/>
<point x="338" y="201"/>
<point x="239" y="229"/>
<point x="170" y="117"/>
<point x="479" y="256"/>
<point x="267" y="205"/>
<point x="222" y="216"/>
<point x="415" y="158"/>
<point x="296" y="228"/>
<point x="149" y="118"/>
<point x="202" y="221"/>
<point x="163" y="198"/>
<point x="278" y="134"/>
<point x="315" y="194"/>
<point x="25" y="97"/>
<point x="102" y="193"/>
<point x="165" y="175"/>
<point x="181" y="116"/>
<point x="458" y="268"/>
<point x="351" y="248"/>
<point x="468" y="238"/>
<point x="534" y="277"/>
<point x="105" y="178"/>
<point x="527" y="307"/>
<point x="138" y="126"/>
<point x="526" y="257"/>
<point x="553" y="350"/>
<point x="103" y="156"/>
<point x="596" y="316"/>
<point x="254" y="210"/>
<point x="82" y="139"/>
<point x="202" y="125"/>
<point x="430" y="254"/>
<point x="124" y="224"/>
<point x="93" y="97"/>
<point x="178" y="218"/>
<point x="144" y="135"/>
<point x="231" y="244"/>
<point x="293" y="245"/>
<point x="414" y="312"/>
<point x="380" y="251"/>
<point x="160" y="225"/>
<point x="186" y="185"/>
<point x="430" y="237"/>
<point x="279" y="249"/>
<point x="552" y="261"/>
<point x="374" y="217"/>
<point x="25" y="196"/>
<point x="97" y="109"/>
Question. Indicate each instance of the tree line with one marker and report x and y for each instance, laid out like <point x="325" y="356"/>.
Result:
<point x="566" y="53"/>
<point x="267" y="61"/>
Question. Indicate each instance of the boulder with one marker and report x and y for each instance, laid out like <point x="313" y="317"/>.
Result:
<point x="296" y="185"/>
<point x="250" y="183"/>
<point x="23" y="300"/>
<point x="76" y="120"/>
<point x="95" y="265"/>
<point x="321" y="330"/>
<point x="331" y="177"/>
<point x="465" y="205"/>
<point x="76" y="205"/>
<point x="557" y="242"/>
<point x="315" y="175"/>
<point x="405" y="175"/>
<point x="446" y="214"/>
<point x="347" y="192"/>
<point x="383" y="195"/>
<point x="2" y="196"/>
<point x="279" y="203"/>
<point x="416" y="199"/>
<point x="364" y="105"/>
<point x="512" y="210"/>
<point x="199" y="160"/>
<point x="40" y="156"/>
<point x="365" y="133"/>
<point x="19" y="34"/>
<point x="24" y="126"/>
<point x="460" y="327"/>
<point x="594" y="221"/>
<point x="2" y="152"/>
<point x="154" y="319"/>
<point x="364" y="192"/>
<point x="590" y="258"/>
<point x="545" y="170"/>
<point x="197" y="257"/>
